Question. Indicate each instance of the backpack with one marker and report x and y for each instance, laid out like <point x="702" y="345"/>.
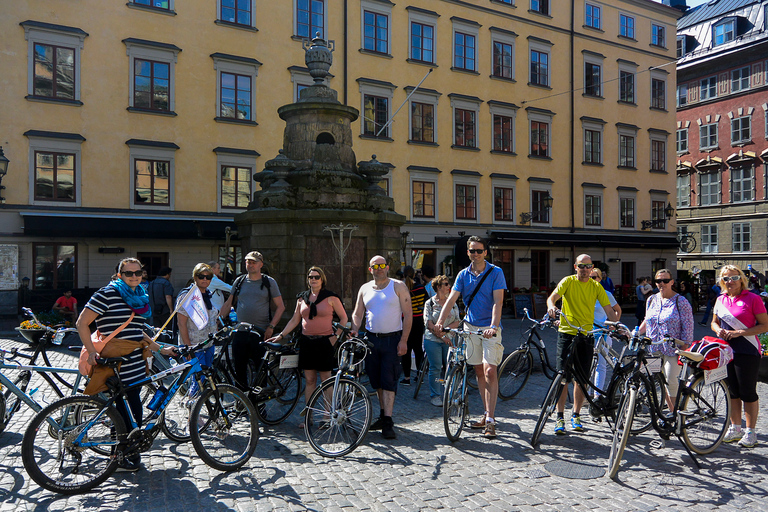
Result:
<point x="717" y="352"/>
<point x="238" y="284"/>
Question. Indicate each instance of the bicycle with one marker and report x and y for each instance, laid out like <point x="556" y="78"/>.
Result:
<point x="338" y="413"/>
<point x="455" y="404"/>
<point x="517" y="367"/>
<point x="77" y="442"/>
<point x="423" y="371"/>
<point x="702" y="405"/>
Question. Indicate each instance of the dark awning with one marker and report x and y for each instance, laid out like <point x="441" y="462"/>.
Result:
<point x="642" y="241"/>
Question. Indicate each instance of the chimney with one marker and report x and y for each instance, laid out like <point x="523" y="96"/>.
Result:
<point x="676" y="4"/>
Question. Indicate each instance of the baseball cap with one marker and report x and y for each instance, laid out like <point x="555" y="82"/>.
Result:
<point x="255" y="256"/>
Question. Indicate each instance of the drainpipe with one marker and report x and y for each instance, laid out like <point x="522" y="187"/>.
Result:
<point x="346" y="41"/>
<point x="572" y="122"/>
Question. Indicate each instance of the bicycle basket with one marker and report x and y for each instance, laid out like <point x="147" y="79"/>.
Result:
<point x="717" y="352"/>
<point x="357" y="350"/>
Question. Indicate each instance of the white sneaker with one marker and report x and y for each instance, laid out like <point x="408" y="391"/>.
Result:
<point x="436" y="401"/>
<point x="749" y="440"/>
<point x="734" y="434"/>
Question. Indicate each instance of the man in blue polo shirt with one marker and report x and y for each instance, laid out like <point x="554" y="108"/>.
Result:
<point x="483" y="312"/>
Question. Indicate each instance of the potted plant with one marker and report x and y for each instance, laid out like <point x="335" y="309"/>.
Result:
<point x="32" y="331"/>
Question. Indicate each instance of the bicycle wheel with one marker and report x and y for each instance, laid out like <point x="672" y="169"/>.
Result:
<point x="279" y="399"/>
<point x="52" y="456"/>
<point x="454" y="403"/>
<point x="706" y="412"/>
<point x="228" y="429"/>
<point x="471" y="377"/>
<point x="514" y="373"/>
<point x="334" y="432"/>
<point x="175" y="420"/>
<point x="642" y="420"/>
<point x="621" y="432"/>
<point x="422" y="375"/>
<point x="11" y="401"/>
<point x="547" y="407"/>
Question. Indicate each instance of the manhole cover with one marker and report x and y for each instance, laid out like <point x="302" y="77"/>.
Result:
<point x="574" y="470"/>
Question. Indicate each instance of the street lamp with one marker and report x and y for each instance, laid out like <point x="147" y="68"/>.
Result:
<point x="403" y="243"/>
<point x="3" y="170"/>
<point x="546" y="204"/>
<point x="659" y="223"/>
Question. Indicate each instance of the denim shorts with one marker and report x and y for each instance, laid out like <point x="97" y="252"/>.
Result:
<point x="383" y="363"/>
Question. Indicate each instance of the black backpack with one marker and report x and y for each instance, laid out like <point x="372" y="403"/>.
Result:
<point x="238" y="284"/>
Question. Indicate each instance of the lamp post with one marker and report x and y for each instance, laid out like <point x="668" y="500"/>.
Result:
<point x="3" y="170"/>
<point x="403" y="244"/>
<point x="546" y="203"/>
<point x="659" y="223"/>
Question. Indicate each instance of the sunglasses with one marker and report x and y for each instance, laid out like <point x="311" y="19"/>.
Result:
<point x="132" y="273"/>
<point x="665" y="281"/>
<point x="730" y="279"/>
<point x="377" y="266"/>
<point x="445" y="284"/>
<point x="475" y="251"/>
<point x="206" y="277"/>
<point x="313" y="277"/>
<point x="594" y="277"/>
<point x="585" y="265"/>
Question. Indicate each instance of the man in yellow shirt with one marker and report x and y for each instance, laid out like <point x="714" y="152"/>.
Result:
<point x="579" y="294"/>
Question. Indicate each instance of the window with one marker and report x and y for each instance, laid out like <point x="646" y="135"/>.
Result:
<point x="741" y="131"/>
<point x="626" y="86"/>
<point x="310" y="18"/>
<point x="239" y="12"/>
<point x="466" y="202"/>
<point x="540" y="6"/>
<point x="709" y="188"/>
<point x="658" y="155"/>
<point x="658" y="94"/>
<point x="54" y="176"/>
<point x="422" y="122"/>
<point x="503" y="133"/>
<point x="626" y="26"/>
<point x="592" y="16"/>
<point x="464" y="51"/>
<point x="423" y="199"/>
<point x="658" y="216"/>
<point x="301" y="80"/>
<point x="593" y="213"/>
<point x="682" y="95"/>
<point x="236" y="93"/>
<point x="627" y="212"/>
<point x="657" y="36"/>
<point x="152" y="179"/>
<point x="159" y="4"/>
<point x="235" y="186"/>
<point x="376" y="113"/>
<point x="708" y="88"/>
<point x="592" y="146"/>
<point x="626" y="150"/>
<point x="152" y="75"/>
<point x="742" y="184"/>
<point x="742" y="237"/>
<point x="539" y="68"/>
<point x="680" y="46"/>
<point x="538" y="208"/>
<point x="54" y="52"/>
<point x="504" y="204"/>
<point x="539" y="138"/>
<point x="55" y="266"/>
<point x="503" y="66"/>
<point x="376" y="35"/>
<point x="708" y="136"/>
<point x="709" y="238"/>
<point x="592" y="86"/>
<point x="464" y="128"/>
<point x="681" y="140"/>
<point x="422" y="42"/>
<point x="740" y="79"/>
<point x="724" y="32"/>
<point x="683" y="190"/>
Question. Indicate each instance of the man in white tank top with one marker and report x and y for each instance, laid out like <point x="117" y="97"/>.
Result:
<point x="386" y="304"/>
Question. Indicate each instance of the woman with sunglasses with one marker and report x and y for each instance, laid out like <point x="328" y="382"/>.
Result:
<point x="419" y="296"/>
<point x="739" y="317"/>
<point x="436" y="343"/>
<point x="667" y="313"/>
<point x="315" y="308"/>
<point x="189" y="332"/>
<point x="600" y="318"/>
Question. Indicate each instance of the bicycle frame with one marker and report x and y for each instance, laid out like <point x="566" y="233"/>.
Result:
<point x="535" y="340"/>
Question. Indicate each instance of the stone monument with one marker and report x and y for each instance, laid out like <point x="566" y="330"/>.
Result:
<point x="317" y="205"/>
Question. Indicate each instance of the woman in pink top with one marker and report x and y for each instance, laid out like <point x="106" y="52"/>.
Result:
<point x="314" y="309"/>
<point x="739" y="317"/>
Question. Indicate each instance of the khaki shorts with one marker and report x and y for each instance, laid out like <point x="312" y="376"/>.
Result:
<point x="484" y="350"/>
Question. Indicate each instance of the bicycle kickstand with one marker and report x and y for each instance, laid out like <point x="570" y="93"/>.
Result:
<point x="693" y="457"/>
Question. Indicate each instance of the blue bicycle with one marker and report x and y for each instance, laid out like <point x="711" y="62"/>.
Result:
<point x="77" y="442"/>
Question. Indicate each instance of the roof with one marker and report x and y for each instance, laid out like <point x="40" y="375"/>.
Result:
<point x="711" y="9"/>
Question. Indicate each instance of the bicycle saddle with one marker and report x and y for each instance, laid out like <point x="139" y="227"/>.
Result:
<point x="277" y="347"/>
<point x="693" y="356"/>
<point x="111" y="362"/>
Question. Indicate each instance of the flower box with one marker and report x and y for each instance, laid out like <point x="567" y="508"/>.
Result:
<point x="32" y="335"/>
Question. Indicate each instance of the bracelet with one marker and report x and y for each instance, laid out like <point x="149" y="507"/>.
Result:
<point x="281" y="336"/>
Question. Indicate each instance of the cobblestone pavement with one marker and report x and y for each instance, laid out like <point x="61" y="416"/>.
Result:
<point x="421" y="469"/>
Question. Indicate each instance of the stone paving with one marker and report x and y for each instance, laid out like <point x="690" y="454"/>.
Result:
<point x="421" y="469"/>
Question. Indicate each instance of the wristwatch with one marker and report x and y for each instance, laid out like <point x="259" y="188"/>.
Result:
<point x="270" y="326"/>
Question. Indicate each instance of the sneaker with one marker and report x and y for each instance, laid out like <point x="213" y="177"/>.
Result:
<point x="436" y="401"/>
<point x="405" y="382"/>
<point x="127" y="465"/>
<point x="388" y="430"/>
<point x="560" y="427"/>
<point x="749" y="440"/>
<point x="378" y="424"/>
<point x="478" y="424"/>
<point x="576" y="424"/>
<point x="490" y="430"/>
<point x="734" y="434"/>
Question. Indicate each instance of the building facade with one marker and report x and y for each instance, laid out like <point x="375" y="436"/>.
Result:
<point x="137" y="127"/>
<point x="722" y="136"/>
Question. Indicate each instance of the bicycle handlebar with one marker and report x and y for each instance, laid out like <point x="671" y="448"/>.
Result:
<point x="544" y="322"/>
<point x="462" y="331"/>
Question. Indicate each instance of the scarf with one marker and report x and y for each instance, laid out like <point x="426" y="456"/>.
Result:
<point x="207" y="299"/>
<point x="321" y="296"/>
<point x="137" y="299"/>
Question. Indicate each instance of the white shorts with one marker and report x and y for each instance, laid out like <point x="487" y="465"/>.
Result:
<point x="484" y="350"/>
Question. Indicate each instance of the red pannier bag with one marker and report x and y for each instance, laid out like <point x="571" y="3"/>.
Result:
<point x="717" y="352"/>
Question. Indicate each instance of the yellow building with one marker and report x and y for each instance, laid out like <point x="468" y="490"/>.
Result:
<point x="135" y="128"/>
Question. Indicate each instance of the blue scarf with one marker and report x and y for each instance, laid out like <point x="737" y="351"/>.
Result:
<point x="137" y="299"/>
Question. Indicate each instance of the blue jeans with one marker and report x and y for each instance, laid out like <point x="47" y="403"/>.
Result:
<point x="437" y="354"/>
<point x="206" y="359"/>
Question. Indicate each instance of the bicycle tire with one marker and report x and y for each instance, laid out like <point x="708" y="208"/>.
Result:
<point x="514" y="373"/>
<point x="709" y="406"/>
<point x="335" y="433"/>
<point x="70" y="470"/>
<point x="2" y="413"/>
<point x="547" y="407"/>
<point x="454" y="403"/>
<point x="229" y="428"/>
<point x="422" y="375"/>
<point x="471" y="377"/>
<point x="175" y="420"/>
<point x="625" y="417"/>
<point x="12" y="403"/>
<point x="643" y="421"/>
<point x="276" y="406"/>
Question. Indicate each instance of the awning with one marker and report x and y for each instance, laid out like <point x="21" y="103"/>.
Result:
<point x="651" y="240"/>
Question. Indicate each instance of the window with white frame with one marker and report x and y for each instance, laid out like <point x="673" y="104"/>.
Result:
<point x="375" y="110"/>
<point x="301" y="79"/>
<point x="741" y="130"/>
<point x="540" y="133"/>
<point x="724" y="32"/>
<point x="466" y="111"/>
<point x="503" y="53"/>
<point x="540" y="6"/>
<point x="53" y="61"/>
<point x="742" y="183"/>
<point x="626" y="26"/>
<point x="626" y="211"/>
<point x="658" y="154"/>
<point x="593" y="141"/>
<point x="682" y="95"/>
<point x="627" y="72"/>
<point x="740" y="79"/>
<point x="235" y="171"/>
<point x="423" y="26"/>
<point x="683" y="190"/>
<point x="504" y="201"/>
<point x="658" y="217"/>
<point x="539" y="68"/>
<point x="592" y="15"/>
<point x="593" y="208"/>
<point x="681" y="50"/>
<point x="658" y="35"/>
<point x="742" y="237"/>
<point x="627" y="146"/>
<point x="709" y="238"/>
<point x="465" y="36"/>
<point x="709" y="188"/>
<point x="152" y="166"/>
<point x="504" y="116"/>
<point x="658" y="93"/>
<point x="465" y="185"/>
<point x="166" y="5"/>
<point x="593" y="75"/>
<point x="237" y="12"/>
<point x="708" y="88"/>
<point x="235" y="87"/>
<point x="152" y="75"/>
<point x="423" y="198"/>
<point x="681" y="140"/>
<point x="538" y="205"/>
<point x="422" y="115"/>
<point x="55" y="168"/>
<point x="376" y="28"/>
<point x="309" y="18"/>
<point x="708" y="136"/>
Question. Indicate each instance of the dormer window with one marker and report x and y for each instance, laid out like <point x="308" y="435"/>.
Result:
<point x="724" y="32"/>
<point x="681" y="46"/>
